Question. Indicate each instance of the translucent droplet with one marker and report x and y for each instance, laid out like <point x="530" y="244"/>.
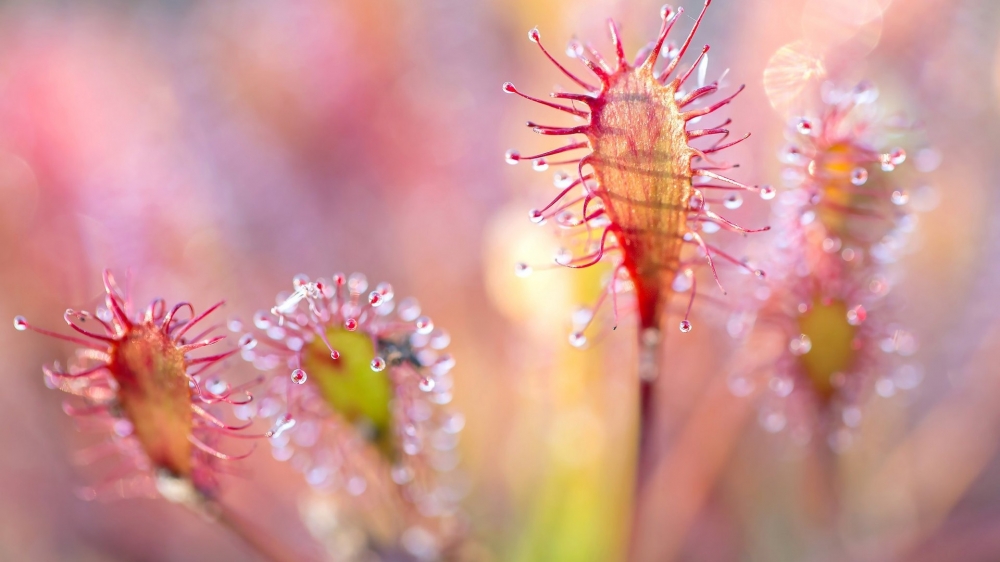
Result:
<point x="851" y="416"/>
<point x="378" y="364"/>
<point x="20" y="323"/>
<point x="408" y="309"/>
<point x="509" y="87"/>
<point x="666" y="12"/>
<point x="216" y="386"/>
<point x="767" y="192"/>
<point x="536" y="216"/>
<point x="522" y="269"/>
<point x="856" y="315"/>
<point x="401" y="474"/>
<point x="426" y="384"/>
<point x="334" y="355"/>
<point x="540" y="165"/>
<point x="300" y="280"/>
<point x="440" y="339"/>
<point x="804" y="127"/>
<point x="734" y="201"/>
<point x="281" y="425"/>
<point x="800" y="345"/>
<point x="859" y="176"/>
<point x="375" y="298"/>
<point x="247" y="341"/>
<point x="357" y="283"/>
<point x="773" y="422"/>
<point x="577" y="339"/>
<point x="299" y="376"/>
<point x="897" y="156"/>
<point x="356" y="486"/>
<point x="685" y="326"/>
<point x="534" y="36"/>
<point x="865" y="92"/>
<point x="900" y="197"/>
<point x="831" y="244"/>
<point x="561" y="179"/>
<point x="512" y="157"/>
<point x="262" y="320"/>
<point x="781" y="386"/>
<point x="791" y="154"/>
<point x="385" y="290"/>
<point x="351" y="324"/>
<point x="234" y="325"/>
<point x="424" y="325"/>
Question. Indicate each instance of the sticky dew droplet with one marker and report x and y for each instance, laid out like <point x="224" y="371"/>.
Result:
<point x="299" y="376"/>
<point x="424" y="325"/>
<point x="859" y="176"/>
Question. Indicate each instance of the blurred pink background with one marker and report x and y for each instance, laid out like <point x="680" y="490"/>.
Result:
<point x="217" y="149"/>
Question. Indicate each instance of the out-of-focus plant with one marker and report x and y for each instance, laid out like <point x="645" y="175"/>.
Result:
<point x="160" y="405"/>
<point x="359" y="406"/>
<point x="642" y="196"/>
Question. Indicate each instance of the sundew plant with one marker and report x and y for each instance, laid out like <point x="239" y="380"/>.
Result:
<point x="294" y="281"/>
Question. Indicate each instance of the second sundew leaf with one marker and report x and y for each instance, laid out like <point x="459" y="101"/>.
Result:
<point x="348" y="384"/>
<point x="831" y="344"/>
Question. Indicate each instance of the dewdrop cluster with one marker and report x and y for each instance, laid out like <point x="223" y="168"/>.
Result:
<point x="136" y="376"/>
<point x="840" y="223"/>
<point x="359" y="402"/>
<point x="643" y="193"/>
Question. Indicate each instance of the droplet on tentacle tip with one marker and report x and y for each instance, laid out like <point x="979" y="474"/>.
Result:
<point x="859" y="176"/>
<point x="378" y="364"/>
<point x="767" y="192"/>
<point x="247" y="341"/>
<point x="299" y="376"/>
<point x="424" y="325"/>
<point x="577" y="339"/>
<point x="685" y="326"/>
<point x="351" y="324"/>
<point x="426" y="384"/>
<point x="20" y="323"/>
<point x="512" y="157"/>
